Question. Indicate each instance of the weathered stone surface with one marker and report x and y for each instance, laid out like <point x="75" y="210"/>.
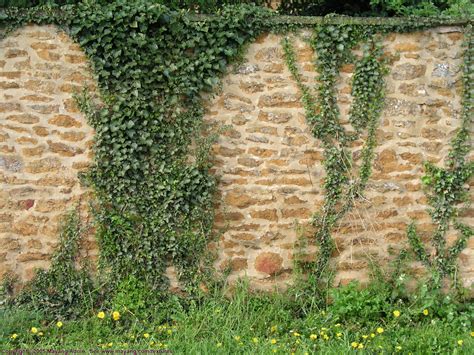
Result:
<point x="272" y="173"/>
<point x="408" y="71"/>
<point x="269" y="54"/>
<point x="407" y="47"/>
<point x="238" y="264"/>
<point x="64" y="149"/>
<point x="11" y="163"/>
<point x="268" y="263"/>
<point x="44" y="165"/>
<point x="64" y="121"/>
<point x="280" y="99"/>
<point x="274" y="117"/>
<point x="268" y="164"/>
<point x="269" y="214"/>
<point x="42" y="147"/>
<point x="25" y="118"/>
<point x="239" y="199"/>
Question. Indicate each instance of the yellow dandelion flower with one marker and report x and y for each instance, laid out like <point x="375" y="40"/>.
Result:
<point x="59" y="324"/>
<point x="152" y="343"/>
<point x="255" y="340"/>
<point x="219" y="345"/>
<point x="101" y="315"/>
<point x="146" y="335"/>
<point x="274" y="328"/>
<point x="237" y="338"/>
<point x="325" y="337"/>
<point x="372" y="335"/>
<point x="380" y="330"/>
<point x="460" y="342"/>
<point x="306" y="353"/>
<point x="313" y="337"/>
<point x="169" y="331"/>
<point x="396" y="314"/>
<point x="296" y="334"/>
<point x="273" y="341"/>
<point x="398" y="348"/>
<point x="426" y="312"/>
<point x="339" y="335"/>
<point x="472" y="334"/>
<point x="338" y="325"/>
<point x="14" y="336"/>
<point x="354" y="344"/>
<point x="360" y="346"/>
<point x="365" y="336"/>
<point x="297" y="341"/>
<point x="34" y="330"/>
<point x="110" y="345"/>
<point x="116" y="315"/>
<point x="40" y="334"/>
<point x="274" y="350"/>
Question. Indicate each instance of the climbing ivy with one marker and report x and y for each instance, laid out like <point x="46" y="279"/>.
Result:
<point x="153" y="188"/>
<point x="152" y="63"/>
<point x="65" y="289"/>
<point x="333" y="46"/>
<point x="447" y="188"/>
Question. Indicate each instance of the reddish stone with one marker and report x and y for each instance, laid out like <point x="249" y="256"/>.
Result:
<point x="26" y="204"/>
<point x="269" y="263"/>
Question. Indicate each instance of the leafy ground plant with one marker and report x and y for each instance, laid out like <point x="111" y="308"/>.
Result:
<point x="253" y="323"/>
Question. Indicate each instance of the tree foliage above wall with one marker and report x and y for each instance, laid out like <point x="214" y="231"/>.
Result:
<point x="382" y="8"/>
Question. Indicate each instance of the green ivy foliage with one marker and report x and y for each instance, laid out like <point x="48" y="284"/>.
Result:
<point x="447" y="188"/>
<point x="154" y="193"/>
<point x="333" y="45"/>
<point x="65" y="289"/>
<point x="152" y="63"/>
<point x="382" y="8"/>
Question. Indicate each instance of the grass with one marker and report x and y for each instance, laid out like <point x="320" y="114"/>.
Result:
<point x="250" y="323"/>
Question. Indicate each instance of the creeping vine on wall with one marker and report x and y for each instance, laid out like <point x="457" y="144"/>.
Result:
<point x="447" y="188"/>
<point x="64" y="289"/>
<point x="152" y="64"/>
<point x="333" y="46"/>
<point x="154" y="192"/>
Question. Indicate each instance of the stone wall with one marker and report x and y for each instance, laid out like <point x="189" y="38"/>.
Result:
<point x="44" y="143"/>
<point x="268" y="163"/>
<point x="270" y="167"/>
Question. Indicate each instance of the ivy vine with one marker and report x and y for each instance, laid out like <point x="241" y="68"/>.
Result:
<point x="154" y="193"/>
<point x="447" y="189"/>
<point x="333" y="45"/>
